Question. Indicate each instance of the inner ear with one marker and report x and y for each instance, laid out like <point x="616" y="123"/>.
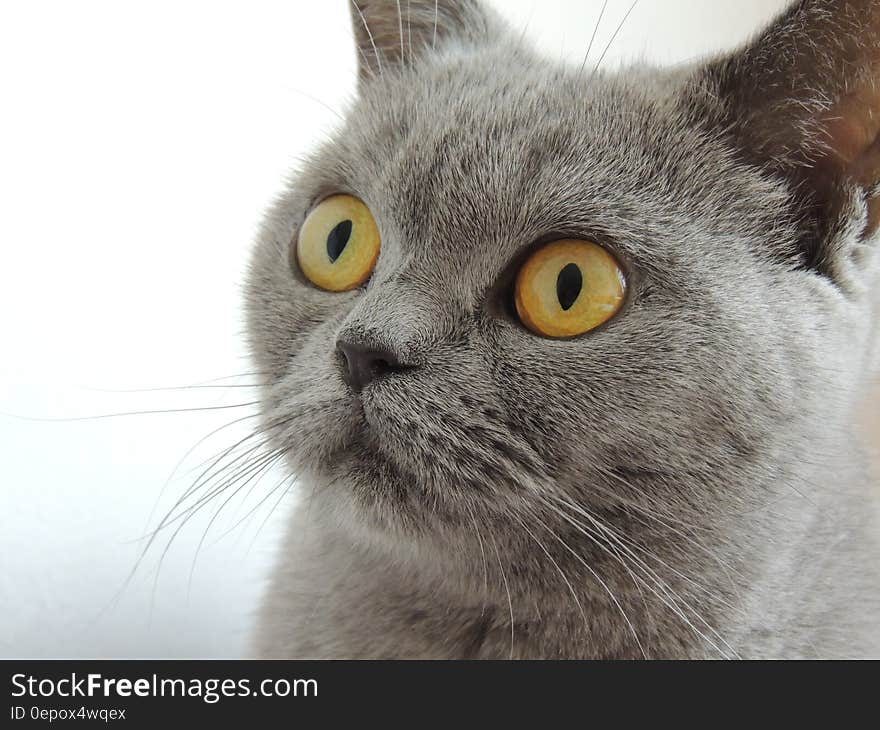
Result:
<point x="802" y="102"/>
<point x="852" y="128"/>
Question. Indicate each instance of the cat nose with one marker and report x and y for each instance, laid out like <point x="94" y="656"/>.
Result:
<point x="364" y="364"/>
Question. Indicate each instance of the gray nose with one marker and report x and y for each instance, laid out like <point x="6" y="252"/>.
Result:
<point x="364" y="364"/>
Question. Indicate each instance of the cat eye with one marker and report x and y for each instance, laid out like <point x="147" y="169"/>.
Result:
<point x="338" y="244"/>
<point x="567" y="288"/>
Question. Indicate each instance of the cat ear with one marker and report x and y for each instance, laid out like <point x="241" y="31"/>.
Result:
<point x="391" y="33"/>
<point x="802" y="101"/>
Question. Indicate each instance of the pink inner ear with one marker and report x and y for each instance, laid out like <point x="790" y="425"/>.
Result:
<point x="818" y="52"/>
<point x="852" y="127"/>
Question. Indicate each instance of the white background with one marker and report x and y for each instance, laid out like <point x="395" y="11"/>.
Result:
<point x="139" y="143"/>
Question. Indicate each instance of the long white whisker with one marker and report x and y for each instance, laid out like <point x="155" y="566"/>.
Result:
<point x="483" y="553"/>
<point x="659" y="582"/>
<point x="254" y="478"/>
<point x="507" y="590"/>
<point x="184" y="458"/>
<point x="558" y="570"/>
<point x="600" y="581"/>
<point x="400" y="28"/>
<point x="665" y="520"/>
<point x="287" y="484"/>
<point x="409" y="29"/>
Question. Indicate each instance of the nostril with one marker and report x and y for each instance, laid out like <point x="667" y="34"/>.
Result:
<point x="342" y="358"/>
<point x="362" y="364"/>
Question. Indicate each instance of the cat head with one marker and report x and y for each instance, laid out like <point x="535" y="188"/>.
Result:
<point x="732" y="201"/>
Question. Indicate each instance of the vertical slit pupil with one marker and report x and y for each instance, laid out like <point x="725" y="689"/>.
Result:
<point x="337" y="239"/>
<point x="568" y="285"/>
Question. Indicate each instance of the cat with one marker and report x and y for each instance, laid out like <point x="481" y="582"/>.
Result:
<point x="674" y="476"/>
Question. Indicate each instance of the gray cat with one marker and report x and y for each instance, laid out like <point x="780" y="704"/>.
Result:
<point x="566" y="363"/>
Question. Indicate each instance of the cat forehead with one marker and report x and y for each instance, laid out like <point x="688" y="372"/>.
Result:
<point x="528" y="128"/>
<point x="481" y="156"/>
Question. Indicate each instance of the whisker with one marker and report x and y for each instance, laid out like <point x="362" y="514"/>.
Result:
<point x="669" y="601"/>
<point x="250" y="512"/>
<point x="127" y="413"/>
<point x="615" y="553"/>
<point x="253" y="479"/>
<point x="195" y="509"/>
<point x="211" y="383"/>
<point x="599" y="579"/>
<point x="278" y="422"/>
<point x="370" y="36"/>
<point x="170" y="518"/>
<point x="216" y="467"/>
<point x="186" y="455"/>
<point x="291" y="479"/>
<point x="561" y="573"/>
<point x="593" y="37"/>
<point x="482" y="553"/>
<point x="636" y="546"/>
<point x="400" y="27"/>
<point x="409" y="28"/>
<point x="171" y="388"/>
<point x="315" y="99"/>
<point x="664" y="520"/>
<point x="610" y="42"/>
<point x="507" y="591"/>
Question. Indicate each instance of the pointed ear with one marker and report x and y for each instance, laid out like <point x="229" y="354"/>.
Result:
<point x="802" y="100"/>
<point x="392" y="33"/>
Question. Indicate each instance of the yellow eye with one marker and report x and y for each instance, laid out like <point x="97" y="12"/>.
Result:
<point x="338" y="244"/>
<point x="568" y="287"/>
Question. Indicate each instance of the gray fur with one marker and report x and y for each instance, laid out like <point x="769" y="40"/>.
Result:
<point x="683" y="481"/>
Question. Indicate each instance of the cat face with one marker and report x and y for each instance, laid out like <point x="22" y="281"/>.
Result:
<point x="472" y="154"/>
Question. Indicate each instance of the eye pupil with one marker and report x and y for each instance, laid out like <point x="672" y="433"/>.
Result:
<point x="337" y="239"/>
<point x="568" y="285"/>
